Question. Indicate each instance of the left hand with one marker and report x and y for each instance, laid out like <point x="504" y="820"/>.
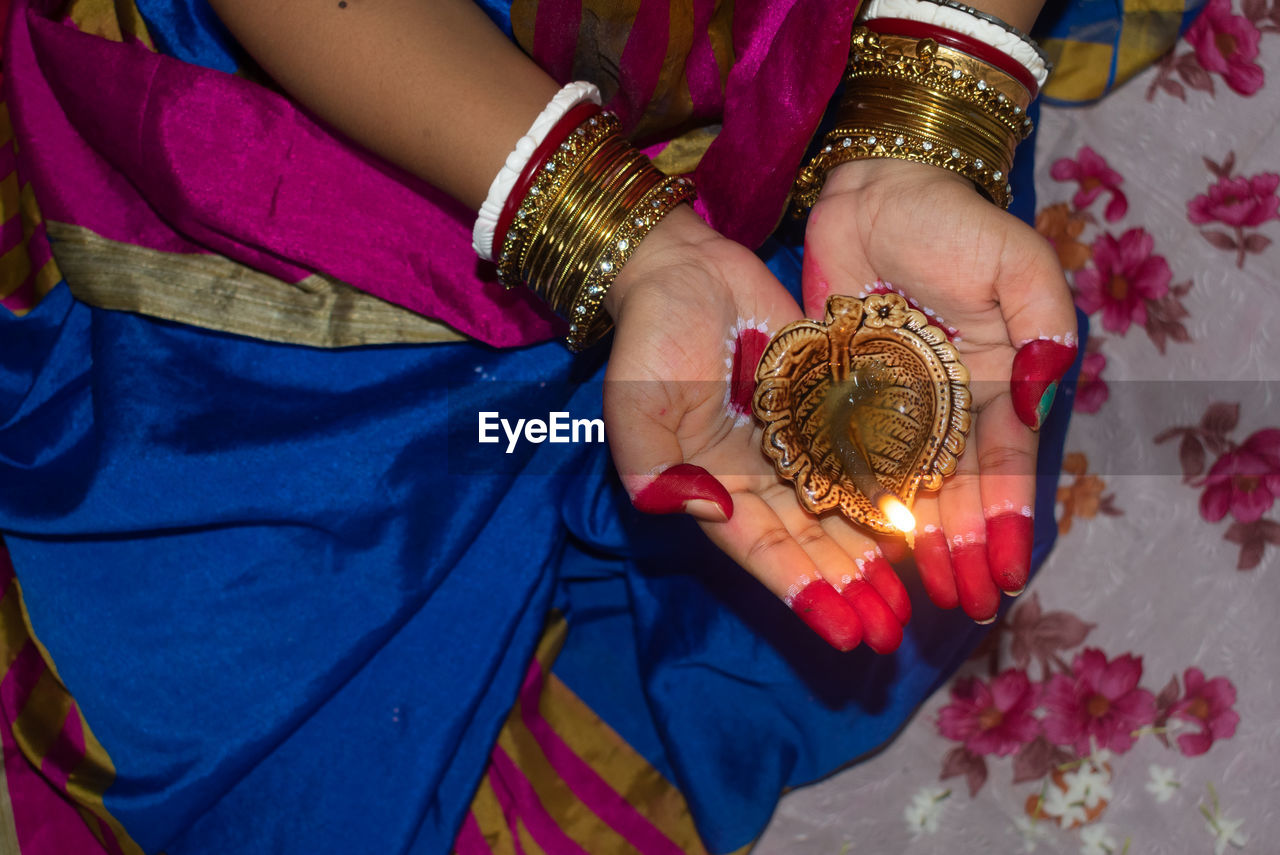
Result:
<point x="992" y="278"/>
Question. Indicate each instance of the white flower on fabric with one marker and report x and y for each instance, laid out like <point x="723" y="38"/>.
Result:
<point x="1088" y="785"/>
<point x="1059" y="804"/>
<point x="924" y="811"/>
<point x="1032" y="831"/>
<point x="1225" y="830"/>
<point x="1162" y="783"/>
<point x="1096" y="840"/>
<point x="1099" y="757"/>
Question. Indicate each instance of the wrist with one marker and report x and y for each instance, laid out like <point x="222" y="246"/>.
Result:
<point x="859" y="176"/>
<point x="680" y="235"/>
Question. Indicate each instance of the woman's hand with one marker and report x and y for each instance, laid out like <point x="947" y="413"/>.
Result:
<point x="992" y="279"/>
<point x="681" y="441"/>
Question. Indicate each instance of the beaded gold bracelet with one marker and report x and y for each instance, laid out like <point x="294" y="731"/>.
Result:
<point x="589" y="206"/>
<point x="909" y="99"/>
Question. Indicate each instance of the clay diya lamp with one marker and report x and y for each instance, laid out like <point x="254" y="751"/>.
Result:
<point x="863" y="409"/>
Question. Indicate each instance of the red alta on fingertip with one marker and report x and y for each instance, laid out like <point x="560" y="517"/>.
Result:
<point x="825" y="612"/>
<point x="879" y="572"/>
<point x="880" y="628"/>
<point x="979" y="596"/>
<point x="1009" y="538"/>
<point x="933" y="560"/>
<point x="1037" y="368"/>
<point x="684" y="482"/>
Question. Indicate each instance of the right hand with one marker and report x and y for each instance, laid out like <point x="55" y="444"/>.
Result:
<point x="678" y="447"/>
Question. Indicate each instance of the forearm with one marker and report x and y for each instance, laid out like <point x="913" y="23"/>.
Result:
<point x="1020" y="13"/>
<point x="433" y="87"/>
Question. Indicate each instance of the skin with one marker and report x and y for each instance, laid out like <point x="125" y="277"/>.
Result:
<point x="436" y="89"/>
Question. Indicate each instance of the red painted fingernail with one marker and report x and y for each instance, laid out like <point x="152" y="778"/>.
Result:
<point x="933" y="559"/>
<point x="748" y="347"/>
<point x="880" y="628"/>
<point x="979" y="596"/>
<point x="1037" y="368"/>
<point x="684" y="482"/>
<point x="825" y="612"/>
<point x="1009" y="537"/>
<point x="879" y="572"/>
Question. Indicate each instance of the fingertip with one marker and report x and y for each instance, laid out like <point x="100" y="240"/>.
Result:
<point x="825" y="612"/>
<point x="1009" y="540"/>
<point x="877" y="570"/>
<point x="1037" y="367"/>
<point x="978" y="594"/>
<point x="686" y="488"/>
<point x="880" y="627"/>
<point x="933" y="560"/>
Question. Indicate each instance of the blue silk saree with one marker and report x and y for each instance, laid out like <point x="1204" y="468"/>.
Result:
<point x="264" y="590"/>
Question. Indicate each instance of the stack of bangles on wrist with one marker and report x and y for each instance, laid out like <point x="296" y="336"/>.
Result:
<point x="933" y="82"/>
<point x="580" y="205"/>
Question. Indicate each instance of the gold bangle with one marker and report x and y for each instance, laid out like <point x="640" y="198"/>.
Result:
<point x="872" y="143"/>
<point x="587" y="323"/>
<point x="869" y="57"/>
<point x="590" y="205"/>
<point x="909" y="99"/>
<point x="551" y="179"/>
<point x="606" y="189"/>
<point x="984" y="74"/>
<point x="565" y="215"/>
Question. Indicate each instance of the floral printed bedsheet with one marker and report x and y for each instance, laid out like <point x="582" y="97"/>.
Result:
<point x="1129" y="703"/>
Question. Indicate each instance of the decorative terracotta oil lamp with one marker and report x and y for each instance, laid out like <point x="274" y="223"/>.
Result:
<point x="863" y="409"/>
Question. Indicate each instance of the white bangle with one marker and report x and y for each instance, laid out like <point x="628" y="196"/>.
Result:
<point x="951" y="18"/>
<point x="566" y="99"/>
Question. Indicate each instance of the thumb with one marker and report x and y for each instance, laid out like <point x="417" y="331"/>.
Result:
<point x="649" y="458"/>
<point x="687" y="488"/>
<point x="1041" y="319"/>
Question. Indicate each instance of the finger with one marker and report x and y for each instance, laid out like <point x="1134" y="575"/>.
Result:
<point x="893" y="548"/>
<point x="758" y="541"/>
<point x="1037" y="368"/>
<point x="933" y="556"/>
<point x="1006" y="461"/>
<point x="650" y="461"/>
<point x="877" y="570"/>
<point x="872" y="564"/>
<point x="832" y="545"/>
<point x="960" y="509"/>
<point x="1037" y="308"/>
<point x="685" y="488"/>
<point x="882" y="631"/>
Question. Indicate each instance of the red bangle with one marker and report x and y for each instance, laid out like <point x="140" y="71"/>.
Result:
<point x="958" y="41"/>
<point x="540" y="156"/>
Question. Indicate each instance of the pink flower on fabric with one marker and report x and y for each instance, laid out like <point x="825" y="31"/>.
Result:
<point x="1099" y="703"/>
<point x="995" y="719"/>
<point x="1239" y="202"/>
<point x="1207" y="703"/>
<point x="1091" y="389"/>
<point x="1124" y="276"/>
<point x="1227" y="44"/>
<point x="1094" y="176"/>
<point x="1245" y="481"/>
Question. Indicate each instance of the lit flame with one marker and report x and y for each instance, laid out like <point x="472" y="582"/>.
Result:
<point x="898" y="514"/>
